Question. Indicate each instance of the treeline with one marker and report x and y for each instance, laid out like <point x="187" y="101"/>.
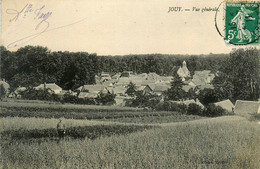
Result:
<point x="159" y="63"/>
<point x="33" y="65"/>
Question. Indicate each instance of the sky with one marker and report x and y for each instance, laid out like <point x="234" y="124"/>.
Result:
<point x="115" y="27"/>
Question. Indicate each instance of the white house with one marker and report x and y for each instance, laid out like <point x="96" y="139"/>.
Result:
<point x="52" y="86"/>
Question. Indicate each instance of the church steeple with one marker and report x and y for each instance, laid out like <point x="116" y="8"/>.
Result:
<point x="183" y="71"/>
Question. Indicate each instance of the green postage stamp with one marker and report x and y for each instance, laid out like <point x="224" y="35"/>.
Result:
<point x="241" y="23"/>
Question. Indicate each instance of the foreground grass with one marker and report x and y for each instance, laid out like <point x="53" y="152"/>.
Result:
<point x="225" y="142"/>
<point x="76" y="112"/>
<point x="30" y="123"/>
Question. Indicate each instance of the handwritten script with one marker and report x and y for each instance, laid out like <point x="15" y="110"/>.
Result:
<point x="38" y="14"/>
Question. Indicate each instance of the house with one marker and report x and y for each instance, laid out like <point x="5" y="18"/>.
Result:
<point x="6" y="86"/>
<point x="245" y="108"/>
<point x="226" y="105"/>
<point x="152" y="76"/>
<point x="159" y="89"/>
<point x="105" y="77"/>
<point x="187" y="102"/>
<point x="183" y="71"/>
<point x="52" y="86"/>
<point x="97" y="88"/>
<point x="116" y="76"/>
<point x="87" y="95"/>
<point x="201" y="78"/>
<point x="186" y="88"/>
<point x="63" y="92"/>
<point x="123" y="81"/>
<point x="16" y="93"/>
<point x="137" y="80"/>
<point x="126" y="73"/>
<point x="164" y="79"/>
<point x="121" y="100"/>
<point x="118" y="90"/>
<point x="110" y="82"/>
<point x="147" y="82"/>
<point x="146" y="89"/>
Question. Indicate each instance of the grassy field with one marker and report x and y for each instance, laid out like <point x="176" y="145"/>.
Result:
<point x="90" y="112"/>
<point x="224" y="142"/>
<point x="157" y="119"/>
<point x="30" y="123"/>
<point x="123" y="138"/>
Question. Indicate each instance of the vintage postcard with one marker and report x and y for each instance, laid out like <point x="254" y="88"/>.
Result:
<point x="130" y="84"/>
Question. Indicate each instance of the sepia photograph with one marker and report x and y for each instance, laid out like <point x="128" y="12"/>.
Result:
<point x="130" y="84"/>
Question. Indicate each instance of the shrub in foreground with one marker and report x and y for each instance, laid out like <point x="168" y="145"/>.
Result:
<point x="170" y="106"/>
<point x="213" y="111"/>
<point x="194" y="109"/>
<point x="91" y="132"/>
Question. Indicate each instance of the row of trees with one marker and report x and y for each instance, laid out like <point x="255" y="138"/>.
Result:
<point x="48" y="95"/>
<point x="31" y="66"/>
<point x="160" y="64"/>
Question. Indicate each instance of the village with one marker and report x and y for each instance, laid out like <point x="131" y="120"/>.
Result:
<point x="147" y="83"/>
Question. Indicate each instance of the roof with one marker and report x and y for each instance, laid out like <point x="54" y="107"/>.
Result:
<point x="110" y="82"/>
<point x="5" y="84"/>
<point x="118" y="90"/>
<point x="186" y="88"/>
<point x="51" y="86"/>
<point x="161" y="88"/>
<point x="124" y="81"/>
<point x="202" y="77"/>
<point x="87" y="95"/>
<point x="116" y="76"/>
<point x="147" y="82"/>
<point x="141" y="88"/>
<point x="245" y="108"/>
<point x="152" y="76"/>
<point x="225" y="104"/>
<point x="93" y="88"/>
<point x="208" y="86"/>
<point x="165" y="78"/>
<point x="19" y="89"/>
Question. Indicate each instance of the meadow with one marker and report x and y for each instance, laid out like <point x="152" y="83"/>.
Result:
<point x="90" y="112"/>
<point x="142" y="139"/>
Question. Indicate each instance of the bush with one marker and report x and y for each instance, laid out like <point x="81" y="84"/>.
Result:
<point x="68" y="98"/>
<point x="207" y="96"/>
<point x="194" y="109"/>
<point x="213" y="111"/>
<point x="169" y="106"/>
<point x="106" y="99"/>
<point x="32" y="94"/>
<point x="91" y="132"/>
<point x="3" y="91"/>
<point x="144" y="100"/>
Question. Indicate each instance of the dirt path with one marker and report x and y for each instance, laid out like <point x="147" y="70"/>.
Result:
<point x="216" y="119"/>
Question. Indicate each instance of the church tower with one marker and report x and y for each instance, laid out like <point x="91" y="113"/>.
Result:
<point x="183" y="71"/>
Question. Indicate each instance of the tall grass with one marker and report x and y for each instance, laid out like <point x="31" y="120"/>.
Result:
<point x="30" y="123"/>
<point x="208" y="143"/>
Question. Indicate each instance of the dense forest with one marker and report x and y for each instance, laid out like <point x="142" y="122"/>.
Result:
<point x="33" y="65"/>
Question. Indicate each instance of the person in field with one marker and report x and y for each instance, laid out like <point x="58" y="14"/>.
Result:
<point x="61" y="129"/>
